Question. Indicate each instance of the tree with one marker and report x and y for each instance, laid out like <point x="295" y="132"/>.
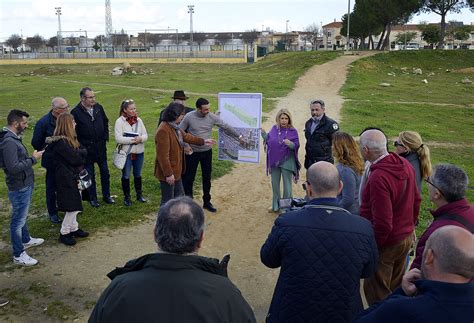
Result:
<point x="442" y="7"/>
<point x="462" y="33"/>
<point x="199" y="38"/>
<point x="35" y="42"/>
<point x="52" y="42"/>
<point x="250" y="36"/>
<point x="98" y="42"/>
<point x="14" y="41"/>
<point x="430" y="34"/>
<point x="385" y="13"/>
<point x="312" y="35"/>
<point x="407" y="37"/>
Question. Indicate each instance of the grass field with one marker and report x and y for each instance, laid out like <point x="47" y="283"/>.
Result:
<point x="442" y="110"/>
<point x="31" y="87"/>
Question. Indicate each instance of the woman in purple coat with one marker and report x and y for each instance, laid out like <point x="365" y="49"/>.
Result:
<point x="282" y="144"/>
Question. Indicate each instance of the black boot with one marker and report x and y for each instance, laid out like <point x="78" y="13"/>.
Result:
<point x="138" y="188"/>
<point x="126" y="191"/>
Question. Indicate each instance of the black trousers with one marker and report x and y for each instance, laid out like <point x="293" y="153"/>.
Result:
<point x="192" y="161"/>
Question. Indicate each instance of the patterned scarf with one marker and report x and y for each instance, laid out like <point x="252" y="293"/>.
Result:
<point x="178" y="133"/>
<point x="130" y="119"/>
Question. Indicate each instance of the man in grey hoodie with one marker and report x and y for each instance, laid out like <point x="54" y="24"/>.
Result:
<point x="19" y="175"/>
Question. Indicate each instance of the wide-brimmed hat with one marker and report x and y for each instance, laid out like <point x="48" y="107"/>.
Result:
<point x="179" y="94"/>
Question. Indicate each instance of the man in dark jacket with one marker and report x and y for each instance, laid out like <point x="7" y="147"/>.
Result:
<point x="318" y="132"/>
<point x="441" y="291"/>
<point x="92" y="127"/>
<point x="323" y="251"/>
<point x="174" y="284"/>
<point x="19" y="175"/>
<point x="45" y="128"/>
<point x="447" y="188"/>
<point x="391" y="202"/>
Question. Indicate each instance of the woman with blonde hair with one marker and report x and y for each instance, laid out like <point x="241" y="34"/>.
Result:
<point x="282" y="144"/>
<point x="410" y="146"/>
<point x="69" y="159"/>
<point x="350" y="166"/>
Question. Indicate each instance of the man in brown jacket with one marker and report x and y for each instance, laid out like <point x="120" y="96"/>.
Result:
<point x="170" y="162"/>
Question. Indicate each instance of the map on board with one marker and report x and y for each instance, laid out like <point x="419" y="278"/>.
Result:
<point x="243" y="112"/>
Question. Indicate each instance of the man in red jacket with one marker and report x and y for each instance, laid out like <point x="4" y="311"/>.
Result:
<point x="446" y="187"/>
<point x="391" y="202"/>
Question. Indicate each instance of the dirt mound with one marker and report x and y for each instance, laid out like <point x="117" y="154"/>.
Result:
<point x="467" y="70"/>
<point x="51" y="70"/>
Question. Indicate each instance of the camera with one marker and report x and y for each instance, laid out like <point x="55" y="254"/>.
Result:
<point x="292" y="204"/>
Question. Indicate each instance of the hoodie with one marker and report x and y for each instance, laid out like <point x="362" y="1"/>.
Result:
<point x="390" y="200"/>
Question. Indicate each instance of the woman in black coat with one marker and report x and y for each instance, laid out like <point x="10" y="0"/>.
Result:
<point x="69" y="159"/>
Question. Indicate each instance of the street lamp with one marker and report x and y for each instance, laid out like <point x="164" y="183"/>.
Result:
<point x="58" y="13"/>
<point x="191" y="11"/>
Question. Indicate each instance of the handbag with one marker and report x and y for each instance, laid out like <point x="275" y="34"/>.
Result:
<point x="120" y="157"/>
<point x="84" y="180"/>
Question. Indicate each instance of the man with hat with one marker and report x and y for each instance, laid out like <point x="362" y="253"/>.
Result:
<point x="178" y="97"/>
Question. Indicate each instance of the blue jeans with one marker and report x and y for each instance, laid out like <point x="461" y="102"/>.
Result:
<point x="104" y="179"/>
<point x="19" y="234"/>
<point x="137" y="165"/>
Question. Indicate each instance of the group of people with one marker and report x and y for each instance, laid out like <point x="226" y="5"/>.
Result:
<point x="358" y="223"/>
<point x="70" y="143"/>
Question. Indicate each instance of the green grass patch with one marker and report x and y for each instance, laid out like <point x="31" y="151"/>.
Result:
<point x="60" y="311"/>
<point x="31" y="88"/>
<point x="447" y="126"/>
<point x="443" y="87"/>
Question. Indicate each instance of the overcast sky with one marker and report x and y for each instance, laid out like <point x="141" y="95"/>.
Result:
<point x="38" y="16"/>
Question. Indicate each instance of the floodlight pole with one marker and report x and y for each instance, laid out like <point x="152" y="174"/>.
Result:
<point x="58" y="13"/>
<point x="287" y="26"/>
<point x="191" y="11"/>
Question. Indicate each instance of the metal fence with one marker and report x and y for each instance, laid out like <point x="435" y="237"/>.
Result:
<point x="169" y="51"/>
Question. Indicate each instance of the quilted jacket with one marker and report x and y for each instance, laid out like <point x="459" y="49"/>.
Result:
<point x="323" y="252"/>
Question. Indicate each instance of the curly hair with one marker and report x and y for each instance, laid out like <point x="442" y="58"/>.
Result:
<point x="346" y="151"/>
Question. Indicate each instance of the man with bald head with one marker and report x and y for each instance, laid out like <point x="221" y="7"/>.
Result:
<point x="45" y="128"/>
<point x="391" y="202"/>
<point x="441" y="291"/>
<point x="323" y="251"/>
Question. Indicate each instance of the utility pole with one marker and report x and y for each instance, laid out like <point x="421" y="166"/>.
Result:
<point x="108" y="29"/>
<point x="58" y="13"/>
<point x="191" y="11"/>
<point x="348" y="22"/>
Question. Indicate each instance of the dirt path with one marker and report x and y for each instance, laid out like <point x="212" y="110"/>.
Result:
<point x="240" y="226"/>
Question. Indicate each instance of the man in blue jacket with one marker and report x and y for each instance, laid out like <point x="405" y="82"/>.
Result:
<point x="442" y="291"/>
<point x="45" y="128"/>
<point x="323" y="251"/>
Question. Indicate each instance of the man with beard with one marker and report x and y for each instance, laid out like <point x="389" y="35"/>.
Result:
<point x="19" y="175"/>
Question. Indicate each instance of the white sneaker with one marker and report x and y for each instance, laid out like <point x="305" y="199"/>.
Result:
<point x="24" y="260"/>
<point x="33" y="243"/>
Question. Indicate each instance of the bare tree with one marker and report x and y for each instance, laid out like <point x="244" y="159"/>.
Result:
<point x="52" y="42"/>
<point x="14" y="41"/>
<point x="249" y="37"/>
<point x="199" y="38"/>
<point x="311" y="34"/>
<point x="35" y="42"/>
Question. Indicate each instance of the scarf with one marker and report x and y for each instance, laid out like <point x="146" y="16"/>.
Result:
<point x="178" y="133"/>
<point x="278" y="152"/>
<point x="130" y="119"/>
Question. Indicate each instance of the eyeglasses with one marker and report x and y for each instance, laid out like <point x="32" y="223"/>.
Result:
<point x="428" y="180"/>
<point x="63" y="108"/>
<point x="305" y="185"/>
<point x="90" y="97"/>
<point x="397" y="144"/>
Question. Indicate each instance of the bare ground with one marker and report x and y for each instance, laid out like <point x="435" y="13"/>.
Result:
<point x="75" y="277"/>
